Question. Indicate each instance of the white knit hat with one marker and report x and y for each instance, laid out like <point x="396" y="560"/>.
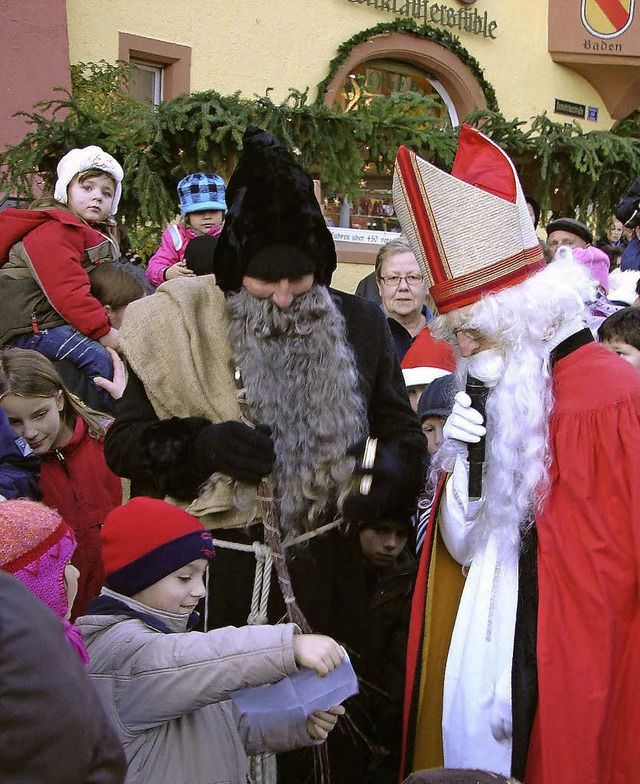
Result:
<point x="82" y="159"/>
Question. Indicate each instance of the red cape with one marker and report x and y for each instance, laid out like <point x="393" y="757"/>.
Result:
<point x="587" y="725"/>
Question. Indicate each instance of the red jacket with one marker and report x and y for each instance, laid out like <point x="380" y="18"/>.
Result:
<point x="75" y="480"/>
<point x="45" y="258"/>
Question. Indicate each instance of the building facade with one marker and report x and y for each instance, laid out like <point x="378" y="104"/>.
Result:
<point x="573" y="59"/>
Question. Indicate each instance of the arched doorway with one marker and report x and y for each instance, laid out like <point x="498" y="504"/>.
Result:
<point x="382" y="65"/>
<point x="382" y="76"/>
<point x="430" y="58"/>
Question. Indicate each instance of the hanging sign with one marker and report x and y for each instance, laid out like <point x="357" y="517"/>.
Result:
<point x="570" y="108"/>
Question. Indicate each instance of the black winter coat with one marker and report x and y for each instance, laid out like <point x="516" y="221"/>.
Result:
<point x="155" y="455"/>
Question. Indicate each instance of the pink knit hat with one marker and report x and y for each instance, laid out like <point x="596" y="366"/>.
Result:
<point x="35" y="546"/>
<point x="596" y="262"/>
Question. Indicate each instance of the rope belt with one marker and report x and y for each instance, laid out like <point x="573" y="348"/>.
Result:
<point x="263" y="767"/>
<point x="265" y="556"/>
<point x="261" y="579"/>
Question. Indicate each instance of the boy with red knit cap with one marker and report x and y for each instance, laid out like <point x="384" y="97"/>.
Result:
<point x="166" y="691"/>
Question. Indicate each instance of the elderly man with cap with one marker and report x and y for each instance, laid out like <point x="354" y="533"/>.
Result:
<point x="267" y="372"/>
<point x="570" y="233"/>
<point x="567" y="232"/>
<point x="523" y="657"/>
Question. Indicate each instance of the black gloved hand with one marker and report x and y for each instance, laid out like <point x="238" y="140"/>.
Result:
<point x="235" y="449"/>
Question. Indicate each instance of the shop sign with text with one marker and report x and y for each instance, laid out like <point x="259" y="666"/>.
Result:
<point x="465" y="19"/>
<point x="570" y="108"/>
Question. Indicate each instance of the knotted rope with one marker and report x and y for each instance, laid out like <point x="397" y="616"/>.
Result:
<point x="262" y="577"/>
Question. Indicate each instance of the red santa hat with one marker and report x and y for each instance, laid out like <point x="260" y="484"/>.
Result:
<point x="427" y="359"/>
<point x="470" y="230"/>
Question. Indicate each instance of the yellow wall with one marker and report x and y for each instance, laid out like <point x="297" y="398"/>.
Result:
<point x="250" y="46"/>
<point x="347" y="276"/>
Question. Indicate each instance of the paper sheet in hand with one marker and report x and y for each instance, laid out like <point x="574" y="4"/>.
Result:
<point x="295" y="697"/>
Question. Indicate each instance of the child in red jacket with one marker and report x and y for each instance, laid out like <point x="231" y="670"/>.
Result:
<point x="47" y="254"/>
<point x="68" y="438"/>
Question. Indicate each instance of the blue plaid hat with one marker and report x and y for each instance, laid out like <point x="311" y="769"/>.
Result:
<point x="201" y="191"/>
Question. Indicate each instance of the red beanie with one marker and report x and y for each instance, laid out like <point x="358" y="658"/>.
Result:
<point x="147" y="539"/>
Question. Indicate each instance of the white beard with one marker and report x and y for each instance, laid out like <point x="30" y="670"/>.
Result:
<point x="517" y="449"/>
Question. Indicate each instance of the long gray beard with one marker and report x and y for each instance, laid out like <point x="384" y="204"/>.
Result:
<point x="301" y="379"/>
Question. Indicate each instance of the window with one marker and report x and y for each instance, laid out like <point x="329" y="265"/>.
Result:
<point x="163" y="68"/>
<point x="373" y="77"/>
<point x="147" y="82"/>
<point x="387" y="76"/>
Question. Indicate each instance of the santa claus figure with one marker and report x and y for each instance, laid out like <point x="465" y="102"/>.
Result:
<point x="524" y="656"/>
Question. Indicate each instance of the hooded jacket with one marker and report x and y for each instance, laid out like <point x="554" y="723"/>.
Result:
<point x="166" y="692"/>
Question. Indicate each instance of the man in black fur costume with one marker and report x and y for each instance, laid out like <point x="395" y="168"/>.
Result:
<point x="267" y="372"/>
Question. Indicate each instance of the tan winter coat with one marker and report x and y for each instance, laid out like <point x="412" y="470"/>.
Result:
<point x="166" y="694"/>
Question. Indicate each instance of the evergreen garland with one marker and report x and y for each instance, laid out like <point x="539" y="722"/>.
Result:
<point x="410" y="27"/>
<point x="203" y="131"/>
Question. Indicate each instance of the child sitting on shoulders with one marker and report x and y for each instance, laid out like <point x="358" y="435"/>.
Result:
<point x="203" y="207"/>
<point x="620" y="333"/>
<point x="166" y="689"/>
<point x="46" y="254"/>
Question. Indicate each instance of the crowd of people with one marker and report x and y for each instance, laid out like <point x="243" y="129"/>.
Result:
<point x="219" y="470"/>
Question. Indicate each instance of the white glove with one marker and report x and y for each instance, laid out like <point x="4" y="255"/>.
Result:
<point x="464" y="424"/>
<point x="500" y="710"/>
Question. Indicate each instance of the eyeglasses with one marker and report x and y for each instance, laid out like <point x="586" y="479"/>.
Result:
<point x="470" y="334"/>
<point x="394" y="280"/>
